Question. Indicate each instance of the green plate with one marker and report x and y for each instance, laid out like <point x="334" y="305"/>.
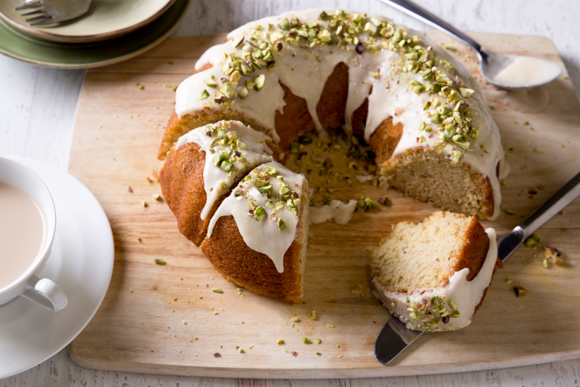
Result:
<point x="17" y="45"/>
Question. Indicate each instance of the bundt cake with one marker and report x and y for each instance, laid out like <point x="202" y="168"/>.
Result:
<point x="420" y="110"/>
<point x="257" y="238"/>
<point x="434" y="275"/>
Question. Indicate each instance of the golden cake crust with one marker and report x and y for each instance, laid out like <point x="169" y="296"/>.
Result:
<point x="183" y="189"/>
<point x="245" y="267"/>
<point x="238" y="263"/>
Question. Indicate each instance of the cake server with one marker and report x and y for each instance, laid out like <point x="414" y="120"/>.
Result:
<point x="490" y="64"/>
<point x="394" y="338"/>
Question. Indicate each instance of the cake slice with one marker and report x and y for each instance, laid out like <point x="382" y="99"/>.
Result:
<point x="434" y="275"/>
<point x="257" y="237"/>
<point x="204" y="165"/>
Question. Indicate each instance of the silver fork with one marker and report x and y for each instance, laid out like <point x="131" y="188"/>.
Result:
<point x="53" y="11"/>
<point x="394" y="338"/>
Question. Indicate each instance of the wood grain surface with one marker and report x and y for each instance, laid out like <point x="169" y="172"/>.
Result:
<point x="166" y="319"/>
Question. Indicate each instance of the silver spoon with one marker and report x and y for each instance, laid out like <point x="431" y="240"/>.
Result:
<point x="501" y="70"/>
<point x="394" y="338"/>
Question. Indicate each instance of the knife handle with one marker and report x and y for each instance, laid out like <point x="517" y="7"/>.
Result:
<point x="552" y="206"/>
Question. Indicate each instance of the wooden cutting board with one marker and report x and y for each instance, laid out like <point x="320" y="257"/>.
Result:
<point x="166" y="319"/>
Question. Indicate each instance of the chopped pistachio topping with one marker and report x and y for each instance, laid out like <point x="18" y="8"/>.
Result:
<point x="533" y="241"/>
<point x="259" y="81"/>
<point x="229" y="157"/>
<point x="313" y="315"/>
<point x="260" y="47"/>
<point x="366" y="204"/>
<point x="428" y="314"/>
<point x="280" y="342"/>
<point x="203" y="95"/>
<point x="305" y="340"/>
<point x="448" y="46"/>
<point x="216" y="290"/>
<point x="508" y="212"/>
<point x="160" y="261"/>
<point x="262" y="179"/>
<point x="211" y="83"/>
<point x="520" y="291"/>
<point x="329" y="325"/>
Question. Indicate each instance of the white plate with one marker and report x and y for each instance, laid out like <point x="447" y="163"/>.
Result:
<point x="81" y="263"/>
<point x="106" y="19"/>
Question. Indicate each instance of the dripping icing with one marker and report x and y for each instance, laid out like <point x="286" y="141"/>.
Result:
<point x="216" y="180"/>
<point x="264" y="236"/>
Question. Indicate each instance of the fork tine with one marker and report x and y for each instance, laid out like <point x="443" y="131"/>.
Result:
<point x="38" y="18"/>
<point x="39" y="11"/>
<point x="43" y="22"/>
<point x="32" y="4"/>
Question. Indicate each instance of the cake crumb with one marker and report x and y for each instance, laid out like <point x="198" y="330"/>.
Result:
<point x="553" y="255"/>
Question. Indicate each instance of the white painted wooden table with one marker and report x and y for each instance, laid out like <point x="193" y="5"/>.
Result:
<point x="37" y="109"/>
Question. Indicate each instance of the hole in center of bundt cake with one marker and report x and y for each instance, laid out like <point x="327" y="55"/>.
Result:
<point x="335" y="165"/>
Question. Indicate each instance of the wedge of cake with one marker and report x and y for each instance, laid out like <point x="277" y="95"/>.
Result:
<point x="257" y="237"/>
<point x="434" y="275"/>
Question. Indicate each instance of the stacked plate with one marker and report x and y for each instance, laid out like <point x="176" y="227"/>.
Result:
<point x="112" y="31"/>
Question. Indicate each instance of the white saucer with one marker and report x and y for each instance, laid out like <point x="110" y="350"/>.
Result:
<point x="81" y="263"/>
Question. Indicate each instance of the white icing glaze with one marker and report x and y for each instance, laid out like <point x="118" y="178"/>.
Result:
<point x="264" y="236"/>
<point x="526" y="70"/>
<point x="338" y="211"/>
<point x="306" y="71"/>
<point x="216" y="180"/>
<point x="465" y="294"/>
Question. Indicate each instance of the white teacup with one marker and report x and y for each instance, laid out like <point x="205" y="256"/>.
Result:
<point x="42" y="291"/>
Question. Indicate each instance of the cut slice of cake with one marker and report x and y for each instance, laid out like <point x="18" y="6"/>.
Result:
<point x="257" y="237"/>
<point x="204" y="165"/>
<point x="434" y="275"/>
